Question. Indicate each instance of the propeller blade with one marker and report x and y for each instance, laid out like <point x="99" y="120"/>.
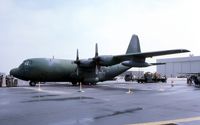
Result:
<point x="97" y="66"/>
<point x="77" y="71"/>
<point x="77" y="62"/>
<point x="96" y="50"/>
<point x="77" y="55"/>
<point x="96" y="70"/>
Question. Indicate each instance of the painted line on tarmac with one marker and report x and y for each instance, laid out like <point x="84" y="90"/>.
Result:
<point x="183" y="120"/>
<point x="47" y="91"/>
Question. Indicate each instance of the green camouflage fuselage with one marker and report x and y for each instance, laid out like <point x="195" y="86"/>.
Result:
<point x="92" y="70"/>
<point x="60" y="70"/>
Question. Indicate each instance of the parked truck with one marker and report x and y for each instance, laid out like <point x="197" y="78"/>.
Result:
<point x="149" y="77"/>
<point x="193" y="78"/>
<point x="1" y="80"/>
<point x="11" y="81"/>
<point x="8" y="80"/>
<point x="128" y="77"/>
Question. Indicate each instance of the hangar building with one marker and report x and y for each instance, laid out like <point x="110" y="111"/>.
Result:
<point x="174" y="67"/>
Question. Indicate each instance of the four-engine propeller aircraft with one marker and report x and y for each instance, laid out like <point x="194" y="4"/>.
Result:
<point x="92" y="70"/>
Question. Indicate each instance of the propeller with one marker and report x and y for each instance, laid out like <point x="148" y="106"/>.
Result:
<point x="96" y="51"/>
<point x="95" y="61"/>
<point x="96" y="58"/>
<point x="77" y="62"/>
<point x="77" y="55"/>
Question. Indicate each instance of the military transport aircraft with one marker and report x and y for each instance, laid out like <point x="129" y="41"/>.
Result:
<point x="92" y="70"/>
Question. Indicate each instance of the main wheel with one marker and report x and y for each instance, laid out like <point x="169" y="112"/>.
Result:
<point x="74" y="83"/>
<point x="31" y="83"/>
<point x="94" y="83"/>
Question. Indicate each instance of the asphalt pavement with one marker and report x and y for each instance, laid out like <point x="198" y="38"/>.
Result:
<point x="108" y="103"/>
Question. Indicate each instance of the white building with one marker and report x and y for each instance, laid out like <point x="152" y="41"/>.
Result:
<point x="176" y="66"/>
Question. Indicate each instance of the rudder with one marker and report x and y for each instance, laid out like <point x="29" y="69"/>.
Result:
<point x="134" y="45"/>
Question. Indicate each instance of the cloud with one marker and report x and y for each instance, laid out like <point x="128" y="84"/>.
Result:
<point x="46" y="28"/>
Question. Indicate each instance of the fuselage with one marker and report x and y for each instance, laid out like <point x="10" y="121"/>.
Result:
<point x="60" y="70"/>
<point x="92" y="70"/>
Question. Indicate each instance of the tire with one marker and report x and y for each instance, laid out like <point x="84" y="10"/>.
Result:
<point x="74" y="83"/>
<point x="31" y="83"/>
<point x="94" y="83"/>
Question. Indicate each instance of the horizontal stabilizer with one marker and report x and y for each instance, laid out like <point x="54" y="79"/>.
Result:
<point x="157" y="63"/>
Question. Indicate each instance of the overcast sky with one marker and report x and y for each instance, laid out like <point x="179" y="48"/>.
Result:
<point x="46" y="28"/>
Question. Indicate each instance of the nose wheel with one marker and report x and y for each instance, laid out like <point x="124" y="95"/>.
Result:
<point x="31" y="83"/>
<point x="74" y="83"/>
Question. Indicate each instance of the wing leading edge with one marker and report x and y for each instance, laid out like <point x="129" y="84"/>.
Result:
<point x="130" y="56"/>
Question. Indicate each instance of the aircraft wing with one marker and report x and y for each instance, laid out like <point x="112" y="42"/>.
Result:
<point x="149" y="54"/>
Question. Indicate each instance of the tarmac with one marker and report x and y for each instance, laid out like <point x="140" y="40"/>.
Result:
<point x="108" y="103"/>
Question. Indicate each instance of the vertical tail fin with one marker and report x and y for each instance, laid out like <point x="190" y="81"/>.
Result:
<point x="134" y="45"/>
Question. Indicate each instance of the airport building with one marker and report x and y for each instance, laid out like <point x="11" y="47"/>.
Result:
<point x="176" y="67"/>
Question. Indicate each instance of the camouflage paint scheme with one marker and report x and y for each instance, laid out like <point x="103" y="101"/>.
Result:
<point x="92" y="70"/>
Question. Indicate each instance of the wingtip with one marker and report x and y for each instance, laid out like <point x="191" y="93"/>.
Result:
<point x="185" y="50"/>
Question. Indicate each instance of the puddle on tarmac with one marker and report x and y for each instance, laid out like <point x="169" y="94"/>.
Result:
<point x="169" y="124"/>
<point x="119" y="113"/>
<point x="41" y="96"/>
<point x="57" y="99"/>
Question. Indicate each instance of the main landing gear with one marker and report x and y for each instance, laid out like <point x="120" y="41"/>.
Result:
<point x="76" y="83"/>
<point x="32" y="83"/>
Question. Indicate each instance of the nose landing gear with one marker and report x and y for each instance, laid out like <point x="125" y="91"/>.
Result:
<point x="32" y="83"/>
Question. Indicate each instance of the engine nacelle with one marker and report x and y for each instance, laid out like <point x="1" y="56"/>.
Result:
<point x="106" y="61"/>
<point x="86" y="63"/>
<point x="135" y="64"/>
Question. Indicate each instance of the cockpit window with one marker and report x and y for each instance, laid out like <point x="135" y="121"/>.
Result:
<point x="27" y="62"/>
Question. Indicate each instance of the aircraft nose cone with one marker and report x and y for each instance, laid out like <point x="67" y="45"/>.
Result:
<point x="13" y="72"/>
